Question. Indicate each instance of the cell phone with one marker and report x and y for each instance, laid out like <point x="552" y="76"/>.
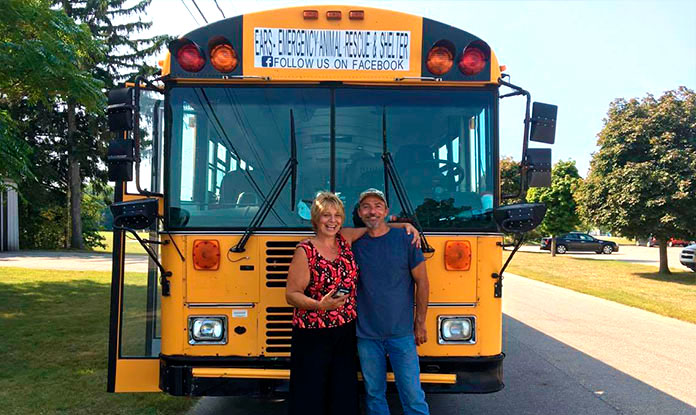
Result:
<point x="340" y="292"/>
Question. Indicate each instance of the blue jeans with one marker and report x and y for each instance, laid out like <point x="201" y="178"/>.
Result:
<point x="404" y="361"/>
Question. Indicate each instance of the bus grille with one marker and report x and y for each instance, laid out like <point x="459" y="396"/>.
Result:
<point x="278" y="329"/>
<point x="278" y="257"/>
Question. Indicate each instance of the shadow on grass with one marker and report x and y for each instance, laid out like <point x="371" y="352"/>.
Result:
<point x="683" y="278"/>
<point x="54" y="348"/>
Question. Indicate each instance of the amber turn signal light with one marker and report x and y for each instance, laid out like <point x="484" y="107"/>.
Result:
<point x="457" y="255"/>
<point x="206" y="255"/>
<point x="224" y="58"/>
<point x="439" y="61"/>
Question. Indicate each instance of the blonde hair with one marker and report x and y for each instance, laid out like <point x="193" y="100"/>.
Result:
<point x="323" y="201"/>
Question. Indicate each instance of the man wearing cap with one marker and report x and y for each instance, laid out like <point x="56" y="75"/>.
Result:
<point x="389" y="267"/>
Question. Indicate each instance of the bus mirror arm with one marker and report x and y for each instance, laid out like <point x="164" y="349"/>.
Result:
<point x="136" y="133"/>
<point x="289" y="172"/>
<point x="525" y="138"/>
<point x="145" y="244"/>
<point x="498" y="286"/>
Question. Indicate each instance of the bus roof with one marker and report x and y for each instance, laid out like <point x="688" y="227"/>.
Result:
<point x="331" y="43"/>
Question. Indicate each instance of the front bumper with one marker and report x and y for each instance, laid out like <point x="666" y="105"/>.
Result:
<point x="235" y="376"/>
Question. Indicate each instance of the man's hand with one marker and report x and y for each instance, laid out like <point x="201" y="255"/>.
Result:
<point x="420" y="333"/>
<point x="411" y="230"/>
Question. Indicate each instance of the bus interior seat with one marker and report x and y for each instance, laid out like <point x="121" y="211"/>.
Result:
<point x="248" y="199"/>
<point x="232" y="186"/>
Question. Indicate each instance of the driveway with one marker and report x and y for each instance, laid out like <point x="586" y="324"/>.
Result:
<point x="628" y="253"/>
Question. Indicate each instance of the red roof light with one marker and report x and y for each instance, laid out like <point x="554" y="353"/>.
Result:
<point x="473" y="61"/>
<point x="190" y="58"/>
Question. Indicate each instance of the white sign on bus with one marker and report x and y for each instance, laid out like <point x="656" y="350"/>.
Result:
<point x="359" y="50"/>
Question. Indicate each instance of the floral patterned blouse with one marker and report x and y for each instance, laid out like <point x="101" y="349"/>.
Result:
<point x="324" y="276"/>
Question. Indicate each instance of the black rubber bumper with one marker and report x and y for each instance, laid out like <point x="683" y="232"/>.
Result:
<point x="474" y="375"/>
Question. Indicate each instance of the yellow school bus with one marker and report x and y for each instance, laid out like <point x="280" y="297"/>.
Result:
<point x="250" y="117"/>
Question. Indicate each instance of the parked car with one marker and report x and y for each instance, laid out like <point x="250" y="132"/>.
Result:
<point x="688" y="257"/>
<point x="578" y="241"/>
<point x="671" y="242"/>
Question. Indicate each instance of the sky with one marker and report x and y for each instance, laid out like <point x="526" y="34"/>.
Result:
<point x="579" y="55"/>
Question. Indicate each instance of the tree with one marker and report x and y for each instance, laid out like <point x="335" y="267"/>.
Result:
<point x="107" y="21"/>
<point x="510" y="180"/>
<point x="643" y="178"/>
<point x="561" y="214"/>
<point x="41" y="56"/>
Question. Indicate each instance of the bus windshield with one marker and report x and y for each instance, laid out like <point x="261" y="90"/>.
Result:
<point x="227" y="146"/>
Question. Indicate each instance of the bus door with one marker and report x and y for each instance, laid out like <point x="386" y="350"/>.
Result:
<point x="134" y="327"/>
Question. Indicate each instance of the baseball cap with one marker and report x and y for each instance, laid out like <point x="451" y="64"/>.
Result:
<point x="372" y="192"/>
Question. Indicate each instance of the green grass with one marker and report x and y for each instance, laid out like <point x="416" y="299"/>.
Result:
<point x="631" y="284"/>
<point x="53" y="343"/>
<point x="132" y="244"/>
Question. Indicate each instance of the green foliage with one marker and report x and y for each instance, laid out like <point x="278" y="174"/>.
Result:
<point x="45" y="54"/>
<point x="561" y="215"/>
<point x="643" y="178"/>
<point x="44" y="219"/>
<point x="113" y="24"/>
<point x="56" y="57"/>
<point x="93" y="207"/>
<point x="14" y="153"/>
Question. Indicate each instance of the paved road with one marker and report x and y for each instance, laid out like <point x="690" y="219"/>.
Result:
<point x="567" y="353"/>
<point x="629" y="253"/>
<point x="68" y="260"/>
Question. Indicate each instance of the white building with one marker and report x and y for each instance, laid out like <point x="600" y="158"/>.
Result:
<point x="9" y="219"/>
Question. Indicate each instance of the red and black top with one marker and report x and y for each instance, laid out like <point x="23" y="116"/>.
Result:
<point x="324" y="276"/>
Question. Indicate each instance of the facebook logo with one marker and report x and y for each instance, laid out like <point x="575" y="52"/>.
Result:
<point x="267" y="61"/>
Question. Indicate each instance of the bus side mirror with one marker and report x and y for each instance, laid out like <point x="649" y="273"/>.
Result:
<point x="119" y="160"/>
<point x="543" y="128"/>
<point x="135" y="214"/>
<point x="120" y="109"/>
<point x="538" y="167"/>
<point x="519" y="218"/>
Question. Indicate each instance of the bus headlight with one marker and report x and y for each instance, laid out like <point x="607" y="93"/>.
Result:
<point x="456" y="329"/>
<point x="208" y="330"/>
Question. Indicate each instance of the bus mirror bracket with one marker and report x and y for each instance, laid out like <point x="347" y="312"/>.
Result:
<point x="517" y="219"/>
<point x="134" y="215"/>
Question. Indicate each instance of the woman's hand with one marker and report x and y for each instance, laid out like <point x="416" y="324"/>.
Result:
<point x="411" y="230"/>
<point x="329" y="303"/>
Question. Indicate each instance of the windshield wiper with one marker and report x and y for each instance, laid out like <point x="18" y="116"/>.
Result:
<point x="391" y="173"/>
<point x="289" y="172"/>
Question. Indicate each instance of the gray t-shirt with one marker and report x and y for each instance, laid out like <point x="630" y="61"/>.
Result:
<point x="385" y="285"/>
